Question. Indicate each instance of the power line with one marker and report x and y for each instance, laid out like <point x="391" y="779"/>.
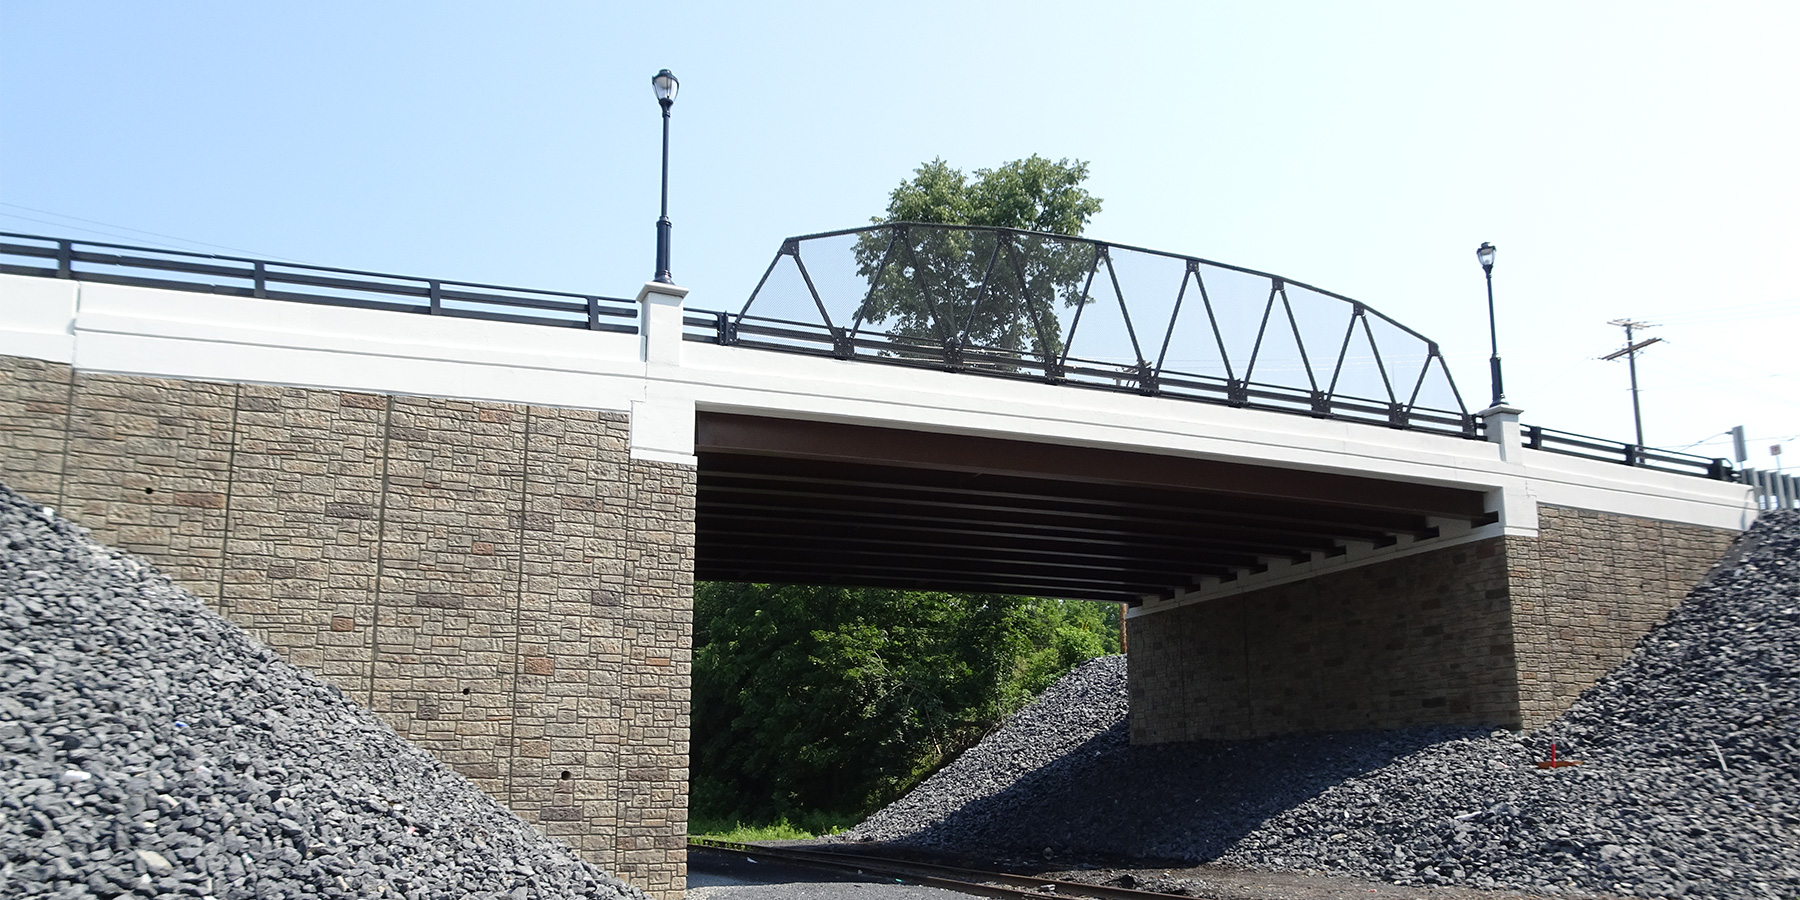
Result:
<point x="1734" y="313"/>
<point x="156" y="245"/>
<point x="133" y="230"/>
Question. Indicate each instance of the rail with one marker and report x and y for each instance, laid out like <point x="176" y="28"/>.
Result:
<point x="25" y="254"/>
<point x="967" y="881"/>
<point x="1537" y="437"/>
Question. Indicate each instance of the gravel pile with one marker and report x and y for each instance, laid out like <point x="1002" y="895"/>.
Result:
<point x="1085" y="702"/>
<point x="1689" y="787"/>
<point x="149" y="748"/>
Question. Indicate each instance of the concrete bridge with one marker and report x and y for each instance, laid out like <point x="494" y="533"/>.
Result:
<point x="480" y="511"/>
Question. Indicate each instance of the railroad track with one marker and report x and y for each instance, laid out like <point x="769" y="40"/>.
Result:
<point x="968" y="881"/>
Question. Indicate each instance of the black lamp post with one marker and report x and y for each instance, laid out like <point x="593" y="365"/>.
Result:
<point x="1485" y="253"/>
<point x="666" y="86"/>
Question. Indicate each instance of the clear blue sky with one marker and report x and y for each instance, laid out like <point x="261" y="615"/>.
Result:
<point x="1627" y="159"/>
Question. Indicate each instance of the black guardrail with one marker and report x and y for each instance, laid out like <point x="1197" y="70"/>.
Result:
<point x="24" y="254"/>
<point x="1537" y="437"/>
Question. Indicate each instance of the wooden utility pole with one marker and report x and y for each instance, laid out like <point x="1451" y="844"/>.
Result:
<point x="1630" y="352"/>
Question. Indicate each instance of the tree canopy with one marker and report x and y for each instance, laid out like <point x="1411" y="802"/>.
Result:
<point x="980" y="290"/>
<point x="1033" y="194"/>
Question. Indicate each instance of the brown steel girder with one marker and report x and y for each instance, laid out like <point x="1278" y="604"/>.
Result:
<point x="782" y="500"/>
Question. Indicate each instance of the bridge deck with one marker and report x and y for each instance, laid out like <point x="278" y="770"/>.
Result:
<point x="814" y="502"/>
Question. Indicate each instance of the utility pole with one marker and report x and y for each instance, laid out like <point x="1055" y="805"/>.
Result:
<point x="1630" y="352"/>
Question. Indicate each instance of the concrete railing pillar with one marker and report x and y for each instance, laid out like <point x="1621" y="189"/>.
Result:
<point x="1515" y="503"/>
<point x="659" y="323"/>
<point x="662" y="420"/>
<point x="1503" y="429"/>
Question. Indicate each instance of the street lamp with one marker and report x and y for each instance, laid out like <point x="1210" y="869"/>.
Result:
<point x="1485" y="253"/>
<point x="665" y="84"/>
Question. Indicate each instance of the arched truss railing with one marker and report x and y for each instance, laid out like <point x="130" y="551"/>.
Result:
<point x="1021" y="304"/>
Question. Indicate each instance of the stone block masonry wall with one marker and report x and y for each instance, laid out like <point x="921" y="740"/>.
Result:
<point x="1506" y="631"/>
<point x="501" y="582"/>
<point x="34" y="426"/>
<point x="1588" y="588"/>
<point x="304" y="527"/>
<point x="1420" y="640"/>
<point x="149" y="464"/>
<point x="659" y="564"/>
<point x="446" y="605"/>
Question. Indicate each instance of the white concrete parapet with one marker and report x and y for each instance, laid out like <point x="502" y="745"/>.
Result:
<point x="662" y="380"/>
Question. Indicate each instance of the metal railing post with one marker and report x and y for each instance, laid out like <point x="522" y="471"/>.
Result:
<point x="65" y="259"/>
<point x="259" y="282"/>
<point x="437" y="298"/>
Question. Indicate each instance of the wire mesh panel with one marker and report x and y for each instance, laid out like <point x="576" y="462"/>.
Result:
<point x="1020" y="304"/>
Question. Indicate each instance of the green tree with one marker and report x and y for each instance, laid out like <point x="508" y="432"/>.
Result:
<point x="1033" y="194"/>
<point x="810" y="699"/>
<point x="929" y="283"/>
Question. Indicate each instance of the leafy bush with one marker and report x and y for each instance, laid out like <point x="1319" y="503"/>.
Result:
<point x="834" y="701"/>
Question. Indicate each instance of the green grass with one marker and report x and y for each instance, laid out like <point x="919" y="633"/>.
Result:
<point x="810" y="825"/>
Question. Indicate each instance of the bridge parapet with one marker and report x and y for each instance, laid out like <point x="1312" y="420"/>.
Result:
<point x="1317" y="353"/>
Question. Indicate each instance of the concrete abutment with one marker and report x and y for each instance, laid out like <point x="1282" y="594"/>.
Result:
<point x="1504" y="631"/>
<point x="504" y="583"/>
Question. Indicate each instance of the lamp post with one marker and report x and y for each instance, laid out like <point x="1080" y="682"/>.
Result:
<point x="665" y="84"/>
<point x="1485" y="253"/>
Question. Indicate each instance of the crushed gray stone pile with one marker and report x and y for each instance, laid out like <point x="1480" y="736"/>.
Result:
<point x="149" y="748"/>
<point x="1689" y="784"/>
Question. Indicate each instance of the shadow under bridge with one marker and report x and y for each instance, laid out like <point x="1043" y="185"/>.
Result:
<point x="805" y="502"/>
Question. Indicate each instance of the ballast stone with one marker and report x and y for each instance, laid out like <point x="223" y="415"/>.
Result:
<point x="149" y="748"/>
<point x="1689" y="784"/>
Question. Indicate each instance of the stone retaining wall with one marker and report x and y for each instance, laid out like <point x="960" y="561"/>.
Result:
<point x="1505" y="631"/>
<point x="501" y="582"/>
<point x="1412" y="641"/>
<point x="1587" y="588"/>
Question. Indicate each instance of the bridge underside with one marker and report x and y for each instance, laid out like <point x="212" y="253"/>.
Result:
<point x="824" y="503"/>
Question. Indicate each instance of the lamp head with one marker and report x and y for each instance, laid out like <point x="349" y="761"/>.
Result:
<point x="1485" y="253"/>
<point x="666" y="86"/>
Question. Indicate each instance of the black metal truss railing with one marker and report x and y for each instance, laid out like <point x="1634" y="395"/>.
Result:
<point x="24" y="254"/>
<point x="1075" y="311"/>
